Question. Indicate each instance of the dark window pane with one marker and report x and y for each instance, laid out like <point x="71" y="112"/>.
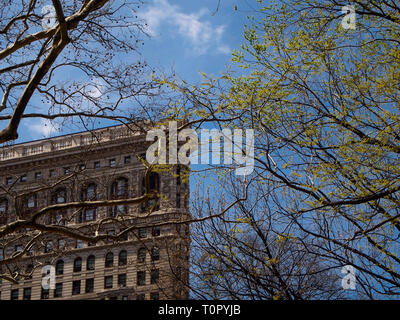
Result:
<point x="90" y="263"/>
<point x="14" y="294"/>
<point x="141" y="278"/>
<point x="78" y="265"/>
<point x="108" y="282"/>
<point x="122" y="280"/>
<point x="58" y="290"/>
<point x="155" y="274"/>
<point x="27" y="293"/>
<point x="45" y="294"/>
<point x="89" y="285"/>
<point x="122" y="259"/>
<point x="154" y="296"/>
<point x="109" y="260"/>
<point x="76" y="287"/>
<point x="59" y="267"/>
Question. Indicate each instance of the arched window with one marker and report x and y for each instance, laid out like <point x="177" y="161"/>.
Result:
<point x="3" y="206"/>
<point x="122" y="258"/>
<point x="155" y="254"/>
<point x="109" y="260"/>
<point x="141" y="256"/>
<point x="119" y="188"/>
<point x="29" y="203"/>
<point x="3" y="211"/>
<point x="154" y="186"/>
<point x="87" y="194"/>
<point x="59" y="196"/>
<point x="78" y="264"/>
<point x="90" y="262"/>
<point x="60" y="267"/>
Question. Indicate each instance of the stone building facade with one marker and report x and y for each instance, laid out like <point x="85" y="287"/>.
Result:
<point x="149" y="262"/>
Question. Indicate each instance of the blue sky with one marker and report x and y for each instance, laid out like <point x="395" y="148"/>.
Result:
<point x="187" y="37"/>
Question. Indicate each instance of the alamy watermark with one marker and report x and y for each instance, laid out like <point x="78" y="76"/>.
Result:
<point x="349" y="280"/>
<point x="349" y="20"/>
<point x="48" y="277"/>
<point x="49" y="19"/>
<point x="234" y="150"/>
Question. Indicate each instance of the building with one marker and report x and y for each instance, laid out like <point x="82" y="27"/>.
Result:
<point x="149" y="262"/>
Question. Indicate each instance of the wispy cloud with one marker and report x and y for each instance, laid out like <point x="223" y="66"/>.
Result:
<point x="44" y="128"/>
<point x="201" y="34"/>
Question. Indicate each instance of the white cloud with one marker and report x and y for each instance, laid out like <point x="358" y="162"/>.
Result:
<point x="201" y="34"/>
<point x="44" y="127"/>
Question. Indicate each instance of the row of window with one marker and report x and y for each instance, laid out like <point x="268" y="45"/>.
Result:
<point x="49" y="246"/>
<point x="66" y="170"/>
<point x="89" y="285"/>
<point x="109" y="260"/>
<point x="118" y="190"/>
<point x="76" y="289"/>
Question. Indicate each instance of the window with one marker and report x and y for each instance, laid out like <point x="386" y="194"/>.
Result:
<point x="67" y="170"/>
<point x="109" y="260"/>
<point x="1" y="254"/>
<point x="140" y="296"/>
<point x="142" y="233"/>
<point x="156" y="231"/>
<point x="14" y="294"/>
<point x="79" y="244"/>
<point x="58" y="290"/>
<point x="45" y="294"/>
<point x="27" y="293"/>
<point x="154" y="186"/>
<point x="119" y="188"/>
<point x="141" y="257"/>
<point x="154" y="276"/>
<point x="154" y="296"/>
<point x="8" y="180"/>
<point x="23" y="178"/>
<point x="29" y="202"/>
<point x="82" y="166"/>
<point x="178" y="178"/>
<point x="122" y="280"/>
<point x="141" y="278"/>
<point x="90" y="262"/>
<point x="127" y="159"/>
<point x="3" y="210"/>
<point x="178" y="200"/>
<point x="89" y="285"/>
<point x="38" y="175"/>
<point x="52" y="173"/>
<point x="78" y="264"/>
<point x="61" y="244"/>
<point x="88" y="193"/>
<point x="59" y="267"/>
<point x="76" y="287"/>
<point x="60" y="196"/>
<point x="48" y="247"/>
<point x="96" y="165"/>
<point x="18" y="248"/>
<point x="155" y="254"/>
<point x="118" y="210"/>
<point x="108" y="282"/>
<point x="122" y="258"/>
<point x="112" y="163"/>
